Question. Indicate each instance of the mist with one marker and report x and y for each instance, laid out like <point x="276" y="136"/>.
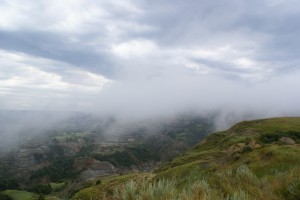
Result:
<point x="140" y="62"/>
<point x="173" y="93"/>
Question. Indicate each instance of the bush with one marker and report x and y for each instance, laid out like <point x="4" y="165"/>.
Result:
<point x="41" y="189"/>
<point x="292" y="192"/>
<point x="5" y="197"/>
<point x="54" y="151"/>
<point x="274" y="137"/>
<point x="9" y="184"/>
<point x="98" y="182"/>
<point x="130" y="156"/>
<point x="271" y="137"/>
<point x="41" y="197"/>
<point x="59" y="169"/>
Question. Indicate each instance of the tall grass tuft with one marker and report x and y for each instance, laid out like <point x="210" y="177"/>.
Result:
<point x="163" y="190"/>
<point x="238" y="183"/>
<point x="240" y="195"/>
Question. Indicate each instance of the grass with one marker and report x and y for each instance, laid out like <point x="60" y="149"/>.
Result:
<point x="71" y="136"/>
<point x="215" y="145"/>
<point x="98" y="191"/>
<point x="264" y="126"/>
<point x="235" y="183"/>
<point x="21" y="195"/>
<point x="165" y="189"/>
<point x="245" y="162"/>
<point x="24" y="195"/>
<point x="56" y="187"/>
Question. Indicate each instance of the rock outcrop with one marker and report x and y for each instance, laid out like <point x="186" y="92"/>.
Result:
<point x="91" y="168"/>
<point x="287" y="140"/>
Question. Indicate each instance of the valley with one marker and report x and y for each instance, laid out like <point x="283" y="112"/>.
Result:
<point x="257" y="159"/>
<point x="71" y="157"/>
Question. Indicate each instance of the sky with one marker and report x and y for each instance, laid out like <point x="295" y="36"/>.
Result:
<point x="147" y="58"/>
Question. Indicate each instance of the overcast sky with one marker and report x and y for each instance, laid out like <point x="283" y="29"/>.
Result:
<point x="150" y="56"/>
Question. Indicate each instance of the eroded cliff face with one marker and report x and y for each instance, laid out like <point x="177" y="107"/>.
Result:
<point x="82" y="154"/>
<point x="35" y="154"/>
<point x="90" y="168"/>
<point x="30" y="157"/>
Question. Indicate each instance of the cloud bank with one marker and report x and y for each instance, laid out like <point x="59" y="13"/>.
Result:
<point x="139" y="58"/>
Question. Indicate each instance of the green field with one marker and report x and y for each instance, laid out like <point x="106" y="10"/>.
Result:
<point x="24" y="195"/>
<point x="21" y="195"/>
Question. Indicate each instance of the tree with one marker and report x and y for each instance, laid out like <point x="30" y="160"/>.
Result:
<point x="41" y="197"/>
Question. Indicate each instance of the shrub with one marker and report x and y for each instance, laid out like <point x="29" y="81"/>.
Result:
<point x="9" y="184"/>
<point x="41" y="197"/>
<point x="59" y="169"/>
<point x="98" y="182"/>
<point x="240" y="195"/>
<point x="273" y="137"/>
<point x="41" y="189"/>
<point x="130" y="156"/>
<point x="5" y="197"/>
<point x="292" y="192"/>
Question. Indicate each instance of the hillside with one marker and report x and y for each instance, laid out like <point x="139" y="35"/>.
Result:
<point x="75" y="153"/>
<point x="257" y="159"/>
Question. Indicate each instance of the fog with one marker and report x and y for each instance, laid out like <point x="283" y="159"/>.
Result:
<point x="139" y="62"/>
<point x="172" y="93"/>
<point x="147" y="102"/>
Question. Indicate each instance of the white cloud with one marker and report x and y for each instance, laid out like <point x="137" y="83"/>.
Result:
<point x="67" y="17"/>
<point x="134" y="48"/>
<point x="26" y="78"/>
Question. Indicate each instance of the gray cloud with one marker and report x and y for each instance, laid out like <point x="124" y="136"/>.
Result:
<point x="57" y="47"/>
<point x="147" y="58"/>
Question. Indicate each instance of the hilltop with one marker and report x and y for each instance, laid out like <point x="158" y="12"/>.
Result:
<point x="257" y="159"/>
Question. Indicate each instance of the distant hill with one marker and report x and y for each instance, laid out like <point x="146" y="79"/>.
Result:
<point x="257" y="159"/>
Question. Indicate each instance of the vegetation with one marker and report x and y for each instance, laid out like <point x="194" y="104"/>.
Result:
<point x="54" y="152"/>
<point x="24" y="195"/>
<point x="166" y="189"/>
<point x="71" y="136"/>
<point x="5" y="197"/>
<point x="60" y="169"/>
<point x="257" y="159"/>
<point x="41" y="189"/>
<point x="274" y="137"/>
<point x="20" y="195"/>
<point x="97" y="192"/>
<point x="9" y="184"/>
<point x="98" y="182"/>
<point x="247" y="161"/>
<point x="41" y="197"/>
<point x="130" y="156"/>
<point x="56" y="187"/>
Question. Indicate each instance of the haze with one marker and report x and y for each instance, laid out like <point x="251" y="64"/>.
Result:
<point x="141" y="59"/>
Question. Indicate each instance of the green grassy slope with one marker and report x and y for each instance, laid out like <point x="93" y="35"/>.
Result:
<point x="241" y="143"/>
<point x="24" y="195"/>
<point x="257" y="159"/>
